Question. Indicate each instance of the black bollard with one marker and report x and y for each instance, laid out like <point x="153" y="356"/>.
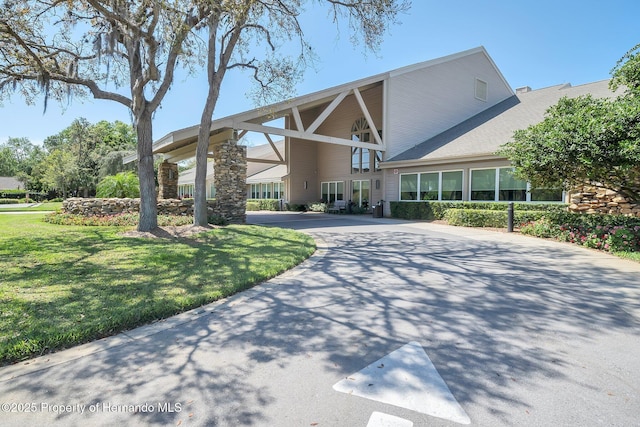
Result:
<point x="510" y="218"/>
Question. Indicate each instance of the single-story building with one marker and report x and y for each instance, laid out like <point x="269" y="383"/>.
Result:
<point x="10" y="183"/>
<point x="428" y="131"/>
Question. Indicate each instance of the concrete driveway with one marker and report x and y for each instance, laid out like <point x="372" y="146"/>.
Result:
<point x="390" y="323"/>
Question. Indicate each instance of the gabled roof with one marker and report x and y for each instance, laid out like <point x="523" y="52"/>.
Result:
<point x="10" y="183"/>
<point x="253" y="120"/>
<point x="482" y="135"/>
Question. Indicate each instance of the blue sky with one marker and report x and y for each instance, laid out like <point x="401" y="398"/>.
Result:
<point x="534" y="43"/>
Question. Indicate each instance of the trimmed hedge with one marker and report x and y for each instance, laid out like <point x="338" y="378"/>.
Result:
<point x="437" y="210"/>
<point x="263" y="204"/>
<point x="489" y="218"/>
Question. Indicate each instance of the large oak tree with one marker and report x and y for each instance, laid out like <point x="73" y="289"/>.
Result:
<point x="119" y="50"/>
<point x="250" y="34"/>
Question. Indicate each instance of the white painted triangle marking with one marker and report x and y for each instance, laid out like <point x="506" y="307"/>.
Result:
<point x="378" y="419"/>
<point x="406" y="378"/>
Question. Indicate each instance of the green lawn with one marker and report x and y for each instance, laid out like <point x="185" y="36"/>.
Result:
<point x="49" y="206"/>
<point x="65" y="285"/>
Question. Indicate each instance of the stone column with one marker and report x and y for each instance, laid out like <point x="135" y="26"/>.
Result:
<point x="230" y="180"/>
<point x="168" y="180"/>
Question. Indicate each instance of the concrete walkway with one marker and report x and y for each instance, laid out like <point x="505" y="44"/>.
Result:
<point x="514" y="330"/>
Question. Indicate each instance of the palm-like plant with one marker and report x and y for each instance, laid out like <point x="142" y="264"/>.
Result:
<point x="123" y="184"/>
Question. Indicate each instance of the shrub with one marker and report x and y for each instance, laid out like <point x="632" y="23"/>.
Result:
<point x="605" y="232"/>
<point x="541" y="228"/>
<point x="437" y="210"/>
<point x="263" y="204"/>
<point x="217" y="220"/>
<point x="119" y="220"/>
<point x="295" y="207"/>
<point x="252" y="205"/>
<point x="318" y="207"/>
<point x="121" y="185"/>
<point x="488" y="218"/>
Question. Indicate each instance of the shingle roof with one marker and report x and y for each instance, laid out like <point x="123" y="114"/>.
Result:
<point x="10" y="183"/>
<point x="484" y="133"/>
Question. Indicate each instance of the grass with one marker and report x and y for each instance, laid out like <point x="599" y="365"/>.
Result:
<point x="65" y="285"/>
<point x="49" y="206"/>
<point x="633" y="256"/>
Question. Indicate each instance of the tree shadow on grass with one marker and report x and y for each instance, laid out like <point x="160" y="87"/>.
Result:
<point x="485" y="313"/>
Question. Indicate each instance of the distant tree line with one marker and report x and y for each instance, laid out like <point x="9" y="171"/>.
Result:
<point x="72" y="162"/>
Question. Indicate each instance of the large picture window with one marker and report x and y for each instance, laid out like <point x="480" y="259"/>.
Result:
<point x="362" y="158"/>
<point x="409" y="186"/>
<point x="431" y="186"/>
<point x="267" y="190"/>
<point x="451" y="186"/>
<point x="511" y="189"/>
<point x="332" y="191"/>
<point x="483" y="184"/>
<point x="499" y="184"/>
<point x="360" y="193"/>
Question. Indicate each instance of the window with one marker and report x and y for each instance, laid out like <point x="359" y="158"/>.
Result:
<point x="451" y="185"/>
<point x="483" y="184"/>
<point x="267" y="190"/>
<point x="361" y="157"/>
<point x="546" y="195"/>
<point x="499" y="184"/>
<point x="431" y="186"/>
<point x="360" y="193"/>
<point x="409" y="186"/>
<point x="377" y="159"/>
<point x="186" y="191"/>
<point x="482" y="90"/>
<point x="429" y="183"/>
<point x="332" y="191"/>
<point x="511" y="189"/>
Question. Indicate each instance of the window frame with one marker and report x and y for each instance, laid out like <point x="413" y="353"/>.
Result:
<point x="529" y="190"/>
<point x="419" y="191"/>
<point x="329" y="199"/>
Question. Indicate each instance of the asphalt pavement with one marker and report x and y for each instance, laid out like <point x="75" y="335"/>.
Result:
<point x="390" y="323"/>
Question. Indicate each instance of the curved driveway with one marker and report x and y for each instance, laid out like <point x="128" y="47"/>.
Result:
<point x="522" y="331"/>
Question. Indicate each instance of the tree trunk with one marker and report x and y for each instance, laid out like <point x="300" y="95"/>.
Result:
<point x="148" y="199"/>
<point x="200" y="214"/>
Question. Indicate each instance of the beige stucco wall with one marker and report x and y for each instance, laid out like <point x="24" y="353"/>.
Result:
<point x="321" y="162"/>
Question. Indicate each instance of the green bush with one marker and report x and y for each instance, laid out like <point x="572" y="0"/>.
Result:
<point x="13" y="194"/>
<point x="117" y="220"/>
<point x="294" y="207"/>
<point x="604" y="232"/>
<point x="437" y="210"/>
<point x="541" y="228"/>
<point x="121" y="185"/>
<point x="8" y="201"/>
<point x="489" y="218"/>
<point x="263" y="204"/>
<point x="252" y="205"/>
<point x="318" y="207"/>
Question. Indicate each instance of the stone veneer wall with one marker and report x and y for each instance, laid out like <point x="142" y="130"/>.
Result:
<point x="230" y="170"/>
<point x="168" y="180"/>
<point x="230" y="181"/>
<point x="590" y="199"/>
<point x="101" y="207"/>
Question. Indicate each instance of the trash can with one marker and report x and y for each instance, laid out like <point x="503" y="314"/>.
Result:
<point x="377" y="211"/>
